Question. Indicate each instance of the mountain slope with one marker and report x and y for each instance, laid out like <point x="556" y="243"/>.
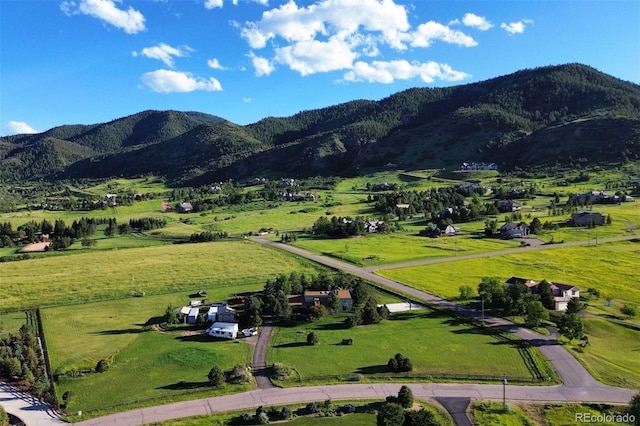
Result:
<point x="554" y="115"/>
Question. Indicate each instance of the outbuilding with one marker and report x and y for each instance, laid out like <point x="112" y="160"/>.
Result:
<point x="223" y="330"/>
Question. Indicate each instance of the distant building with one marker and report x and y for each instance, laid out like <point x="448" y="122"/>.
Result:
<point x="223" y="330"/>
<point x="562" y="293"/>
<point x="514" y="230"/>
<point x="586" y="218"/>
<point x="184" y="207"/>
<point x="509" y="206"/>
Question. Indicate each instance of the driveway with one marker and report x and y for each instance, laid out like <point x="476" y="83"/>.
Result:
<point x="27" y="408"/>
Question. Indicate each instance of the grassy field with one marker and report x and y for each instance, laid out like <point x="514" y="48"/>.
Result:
<point x="434" y="342"/>
<point x="155" y="365"/>
<point x="612" y="354"/>
<point x="565" y="414"/>
<point x="116" y="273"/>
<point x="378" y="249"/>
<point x="611" y="268"/>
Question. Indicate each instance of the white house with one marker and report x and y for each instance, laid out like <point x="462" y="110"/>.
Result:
<point x="192" y="318"/>
<point x="562" y="293"/>
<point x="223" y="330"/>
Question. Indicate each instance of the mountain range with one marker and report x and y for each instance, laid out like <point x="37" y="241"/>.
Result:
<point x="565" y="115"/>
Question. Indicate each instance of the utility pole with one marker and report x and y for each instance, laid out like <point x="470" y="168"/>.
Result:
<point x="504" y="393"/>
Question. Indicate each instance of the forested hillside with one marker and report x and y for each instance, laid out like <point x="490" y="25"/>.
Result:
<point x="558" y="115"/>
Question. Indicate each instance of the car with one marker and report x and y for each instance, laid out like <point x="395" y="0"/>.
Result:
<point x="250" y="332"/>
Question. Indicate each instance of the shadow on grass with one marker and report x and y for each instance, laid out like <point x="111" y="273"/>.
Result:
<point x="416" y="313"/>
<point x="185" y="385"/>
<point x="152" y="321"/>
<point x="373" y="369"/>
<point x="198" y="338"/>
<point x="292" y="345"/>
<point x="122" y="331"/>
<point x="331" y="326"/>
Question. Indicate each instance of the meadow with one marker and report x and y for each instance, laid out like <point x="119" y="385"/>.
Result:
<point x="611" y="268"/>
<point x="436" y="343"/>
<point x="120" y="273"/>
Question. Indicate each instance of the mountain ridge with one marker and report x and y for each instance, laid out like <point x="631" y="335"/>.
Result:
<point x="564" y="114"/>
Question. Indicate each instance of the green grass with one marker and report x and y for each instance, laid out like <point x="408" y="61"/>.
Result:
<point x="56" y="280"/>
<point x="155" y="365"/>
<point x="378" y="249"/>
<point x="611" y="268"/>
<point x="11" y="323"/>
<point x="565" y="414"/>
<point x="612" y="354"/>
<point x="434" y="342"/>
<point x="493" y="414"/>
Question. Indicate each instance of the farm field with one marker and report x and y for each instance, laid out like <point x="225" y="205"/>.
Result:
<point x="573" y="265"/>
<point x="55" y="280"/>
<point x="434" y="342"/>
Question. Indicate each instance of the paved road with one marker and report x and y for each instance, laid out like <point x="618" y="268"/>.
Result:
<point x="260" y="370"/>
<point x="27" y="408"/>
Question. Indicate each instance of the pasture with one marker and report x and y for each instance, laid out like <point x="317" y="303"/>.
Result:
<point x="120" y="273"/>
<point x="611" y="268"/>
<point x="435" y="343"/>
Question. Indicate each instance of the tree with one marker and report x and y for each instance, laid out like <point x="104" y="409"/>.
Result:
<point x="574" y="306"/>
<point x="571" y="326"/>
<point x="405" y="397"/>
<point x="536" y="313"/>
<point x="216" y="376"/>
<point x="4" y="417"/>
<point x="535" y="226"/>
<point x="312" y="338"/>
<point x="634" y="408"/>
<point x="546" y="294"/>
<point x="317" y="311"/>
<point x="491" y="290"/>
<point x="171" y="315"/>
<point x="390" y="415"/>
<point x="102" y="366"/>
<point x="490" y="227"/>
<point x="466" y="292"/>
<point x="421" y="417"/>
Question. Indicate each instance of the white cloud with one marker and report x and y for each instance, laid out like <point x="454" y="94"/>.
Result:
<point x="19" y="128"/>
<point x="431" y="31"/>
<point x="210" y="4"/>
<point x="326" y="18"/>
<point x="246" y="100"/>
<point x="130" y="21"/>
<point x="262" y="66"/>
<point x="389" y="71"/>
<point x="167" y="81"/>
<point x="516" y="27"/>
<point x="164" y="53"/>
<point x="475" y="21"/>
<point x="215" y="64"/>
<point x="310" y="57"/>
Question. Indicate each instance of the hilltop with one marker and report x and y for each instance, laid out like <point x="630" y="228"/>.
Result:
<point x="564" y="115"/>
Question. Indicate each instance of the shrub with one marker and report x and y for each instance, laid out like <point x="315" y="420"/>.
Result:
<point x="102" y="366"/>
<point x="280" y="371"/>
<point x="348" y="408"/>
<point x="399" y="363"/>
<point x="405" y="397"/>
<point x="312" y="408"/>
<point x="347" y="342"/>
<point x="284" y="413"/>
<point x="629" y="310"/>
<point x="239" y="375"/>
<point x="466" y="292"/>
<point x="312" y="338"/>
<point x="216" y="376"/>
<point x="245" y="419"/>
<point x="4" y="417"/>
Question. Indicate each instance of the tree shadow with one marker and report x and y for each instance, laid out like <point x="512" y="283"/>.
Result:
<point x="198" y="338"/>
<point x="415" y="313"/>
<point x="292" y="345"/>
<point x="182" y="385"/>
<point x="122" y="331"/>
<point x="331" y="326"/>
<point x="373" y="369"/>
<point x="152" y="321"/>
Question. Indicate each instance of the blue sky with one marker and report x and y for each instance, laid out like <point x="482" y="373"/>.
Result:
<point x="92" y="61"/>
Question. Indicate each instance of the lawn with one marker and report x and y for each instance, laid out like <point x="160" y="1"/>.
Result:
<point x="119" y="273"/>
<point x="611" y="268"/>
<point x="435" y="343"/>
<point x="155" y="365"/>
<point x="612" y="354"/>
<point x="565" y="414"/>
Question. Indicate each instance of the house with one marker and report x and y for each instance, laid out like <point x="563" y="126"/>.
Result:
<point x="323" y="297"/>
<point x="184" y="207"/>
<point x="514" y="230"/>
<point x="509" y="206"/>
<point x="111" y="199"/>
<point x="192" y="316"/>
<point x="586" y="218"/>
<point x="373" y="225"/>
<point x="562" y="293"/>
<point x="223" y="330"/>
<point x="444" y="229"/>
<point x="221" y="312"/>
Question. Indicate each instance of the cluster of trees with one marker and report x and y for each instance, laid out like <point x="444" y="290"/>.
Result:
<point x="21" y="361"/>
<point x="399" y="363"/>
<point x="438" y="204"/>
<point x="60" y="235"/>
<point x="207" y="236"/>
<point x="237" y="375"/>
<point x="398" y="411"/>
<point x="365" y="307"/>
<point x="343" y="227"/>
